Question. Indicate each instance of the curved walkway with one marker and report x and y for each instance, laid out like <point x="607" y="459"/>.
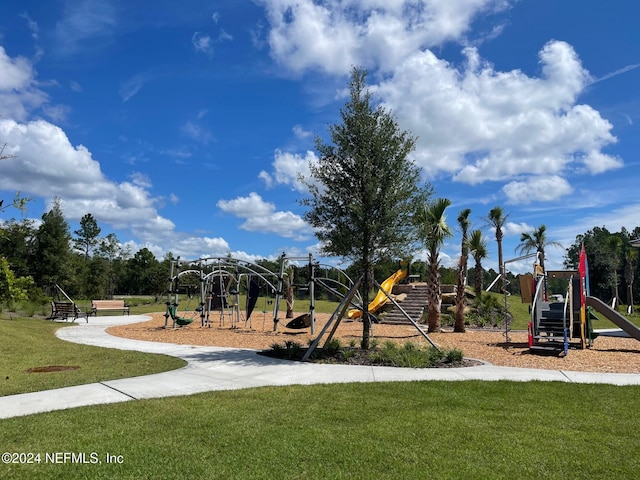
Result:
<point x="218" y="368"/>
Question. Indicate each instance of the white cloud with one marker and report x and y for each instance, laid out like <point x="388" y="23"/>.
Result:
<point x="197" y="132"/>
<point x="19" y="94"/>
<point x="512" y="228"/>
<point x="132" y="86"/>
<point x="261" y="216"/>
<point x="246" y="207"/>
<point x="537" y="189"/>
<point x="334" y="35"/>
<point x="32" y="24"/>
<point x="287" y="169"/>
<point x="83" y="22"/>
<point x="300" y="132"/>
<point x="202" y="43"/>
<point x="47" y="165"/>
<point x="479" y="124"/>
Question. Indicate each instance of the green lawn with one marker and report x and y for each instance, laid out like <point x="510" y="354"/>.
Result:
<point x="384" y="430"/>
<point x="27" y="343"/>
<point x="461" y="430"/>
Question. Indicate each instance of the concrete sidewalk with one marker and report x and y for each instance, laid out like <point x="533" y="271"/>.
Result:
<point x="217" y="368"/>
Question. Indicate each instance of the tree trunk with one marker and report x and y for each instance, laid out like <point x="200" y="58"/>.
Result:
<point x="366" y="319"/>
<point x="435" y="299"/>
<point x="290" y="300"/>
<point x="501" y="280"/>
<point x="460" y="296"/>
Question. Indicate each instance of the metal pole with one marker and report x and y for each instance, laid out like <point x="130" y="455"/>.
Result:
<point x="276" y="308"/>
<point x="312" y="300"/>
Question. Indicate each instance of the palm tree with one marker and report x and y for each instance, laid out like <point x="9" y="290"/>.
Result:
<point x="479" y="251"/>
<point x="463" y="221"/>
<point x="433" y="228"/>
<point x="497" y="219"/>
<point x="536" y="241"/>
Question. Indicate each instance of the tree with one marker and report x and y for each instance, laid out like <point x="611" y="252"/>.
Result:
<point x="363" y="189"/>
<point x="141" y="270"/>
<point x="289" y="286"/>
<point x="614" y="247"/>
<point x="461" y="281"/>
<point x="597" y="245"/>
<point x="12" y="289"/>
<point x="52" y="250"/>
<point x="109" y="249"/>
<point x="16" y="245"/>
<point x="536" y="241"/>
<point x="19" y="201"/>
<point x="497" y="219"/>
<point x="432" y="224"/>
<point x="87" y="236"/>
<point x="630" y="257"/>
<point x="479" y="251"/>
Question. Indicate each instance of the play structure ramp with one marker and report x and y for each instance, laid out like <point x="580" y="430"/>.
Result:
<point x="381" y="298"/>
<point x="613" y="316"/>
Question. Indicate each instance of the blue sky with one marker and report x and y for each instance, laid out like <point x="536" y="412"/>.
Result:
<point x="182" y="126"/>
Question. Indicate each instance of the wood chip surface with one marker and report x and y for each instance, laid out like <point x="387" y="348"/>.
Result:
<point x="608" y="354"/>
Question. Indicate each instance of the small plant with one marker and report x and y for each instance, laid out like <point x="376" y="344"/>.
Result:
<point x="487" y="311"/>
<point x="293" y="349"/>
<point x="453" y="356"/>
<point x="333" y="347"/>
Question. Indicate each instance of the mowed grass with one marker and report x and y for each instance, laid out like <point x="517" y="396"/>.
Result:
<point x="27" y="343"/>
<point x="456" y="430"/>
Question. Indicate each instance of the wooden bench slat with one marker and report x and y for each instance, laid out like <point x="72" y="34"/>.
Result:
<point x="64" y="310"/>
<point x="108" y="305"/>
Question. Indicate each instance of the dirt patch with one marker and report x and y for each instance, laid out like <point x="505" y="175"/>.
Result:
<point x="52" y="368"/>
<point x="609" y="354"/>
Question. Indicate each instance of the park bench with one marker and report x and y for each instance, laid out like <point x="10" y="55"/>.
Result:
<point x="108" y="306"/>
<point x="66" y="310"/>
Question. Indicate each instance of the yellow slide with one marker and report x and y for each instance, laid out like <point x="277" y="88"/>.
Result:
<point x="381" y="298"/>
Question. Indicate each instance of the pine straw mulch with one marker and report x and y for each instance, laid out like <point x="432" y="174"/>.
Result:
<point x="608" y="354"/>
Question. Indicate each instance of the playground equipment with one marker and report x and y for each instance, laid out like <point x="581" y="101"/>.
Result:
<point x="554" y="325"/>
<point x="505" y="291"/>
<point x="340" y="312"/>
<point x="382" y="297"/>
<point x="221" y="279"/>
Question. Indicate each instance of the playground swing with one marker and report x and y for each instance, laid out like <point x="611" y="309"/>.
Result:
<point x="183" y="320"/>
<point x="268" y="300"/>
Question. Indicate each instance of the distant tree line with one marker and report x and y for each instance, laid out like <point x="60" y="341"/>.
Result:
<point x="83" y="263"/>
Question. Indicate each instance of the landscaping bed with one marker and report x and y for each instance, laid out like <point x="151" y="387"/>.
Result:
<point x="609" y="354"/>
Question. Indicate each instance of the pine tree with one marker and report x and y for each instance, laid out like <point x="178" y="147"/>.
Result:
<point x="52" y="250"/>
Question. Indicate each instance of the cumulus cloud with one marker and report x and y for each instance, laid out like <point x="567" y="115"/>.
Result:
<point x="512" y="228"/>
<point x="19" y="93"/>
<point x="473" y="122"/>
<point x="333" y="35"/>
<point x="479" y="124"/>
<point x="47" y="165"/>
<point x="261" y="216"/>
<point x="287" y="170"/>
<point x="537" y="189"/>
